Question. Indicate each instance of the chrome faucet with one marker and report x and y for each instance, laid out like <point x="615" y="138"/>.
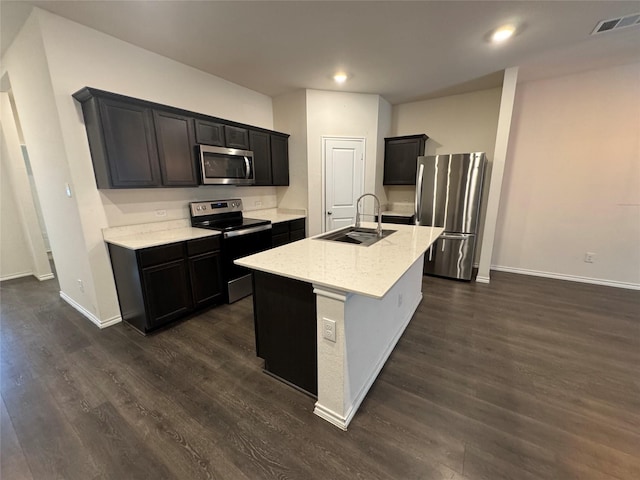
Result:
<point x="357" y="225"/>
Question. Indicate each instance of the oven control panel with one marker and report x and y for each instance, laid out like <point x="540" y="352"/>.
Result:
<point x="212" y="207"/>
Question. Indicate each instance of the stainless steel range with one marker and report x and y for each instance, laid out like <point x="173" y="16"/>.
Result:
<point x="240" y="237"/>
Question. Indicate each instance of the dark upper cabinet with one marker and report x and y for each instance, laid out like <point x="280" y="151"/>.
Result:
<point x="138" y="144"/>
<point x="260" y="144"/>
<point x="175" y="140"/>
<point x="400" y="159"/>
<point x="280" y="160"/>
<point x="236" y="137"/>
<point x="127" y="149"/>
<point x="209" y="133"/>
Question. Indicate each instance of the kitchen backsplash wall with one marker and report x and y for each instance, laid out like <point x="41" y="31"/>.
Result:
<point x="129" y="207"/>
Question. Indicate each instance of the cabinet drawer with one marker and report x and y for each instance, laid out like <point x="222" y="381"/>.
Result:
<point x="296" y="224"/>
<point x="278" y="240"/>
<point x="296" y="235"/>
<point x="163" y="254"/>
<point x="203" y="245"/>
<point x="279" y="228"/>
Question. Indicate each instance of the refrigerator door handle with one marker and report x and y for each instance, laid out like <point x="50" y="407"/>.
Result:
<point x="455" y="236"/>
<point x="419" y="194"/>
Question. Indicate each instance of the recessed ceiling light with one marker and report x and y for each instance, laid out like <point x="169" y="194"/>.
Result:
<point x="340" y="77"/>
<point x="503" y="33"/>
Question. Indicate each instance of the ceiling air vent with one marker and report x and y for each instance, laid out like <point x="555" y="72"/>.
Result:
<point x="616" y="23"/>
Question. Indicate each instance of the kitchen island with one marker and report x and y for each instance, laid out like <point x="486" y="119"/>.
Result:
<point x="363" y="298"/>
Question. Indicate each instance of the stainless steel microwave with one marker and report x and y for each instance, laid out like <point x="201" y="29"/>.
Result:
<point x="226" y="166"/>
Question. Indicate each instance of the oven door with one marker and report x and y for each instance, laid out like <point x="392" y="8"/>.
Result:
<point x="226" y="166"/>
<point x="237" y="244"/>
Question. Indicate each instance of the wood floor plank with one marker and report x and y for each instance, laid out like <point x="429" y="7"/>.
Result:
<point x="526" y="378"/>
<point x="14" y="463"/>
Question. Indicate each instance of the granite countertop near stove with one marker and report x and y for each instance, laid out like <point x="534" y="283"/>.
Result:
<point x="136" y="237"/>
<point x="275" y="215"/>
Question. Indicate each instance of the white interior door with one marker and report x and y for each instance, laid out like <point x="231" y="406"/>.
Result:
<point x="344" y="178"/>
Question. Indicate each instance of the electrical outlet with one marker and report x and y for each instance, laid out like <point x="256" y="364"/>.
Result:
<point x="329" y="329"/>
<point x="589" y="257"/>
<point x="258" y="203"/>
<point x="81" y="285"/>
<point x="161" y="213"/>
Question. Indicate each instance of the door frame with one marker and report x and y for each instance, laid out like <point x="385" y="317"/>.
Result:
<point x="325" y="139"/>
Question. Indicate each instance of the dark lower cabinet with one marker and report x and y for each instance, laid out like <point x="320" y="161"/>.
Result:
<point x="158" y="285"/>
<point x="206" y="280"/>
<point x="287" y="232"/>
<point x="285" y="327"/>
<point x="167" y="295"/>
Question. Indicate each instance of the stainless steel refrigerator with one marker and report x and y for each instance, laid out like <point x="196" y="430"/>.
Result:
<point x="448" y="192"/>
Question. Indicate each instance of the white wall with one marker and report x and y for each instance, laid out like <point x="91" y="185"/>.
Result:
<point x="50" y="60"/>
<point x="339" y="114"/>
<point x="290" y="116"/>
<point x="384" y="130"/>
<point x="572" y="178"/>
<point x="454" y="124"/>
<point x="15" y="260"/>
<point x="21" y="230"/>
<point x="26" y="64"/>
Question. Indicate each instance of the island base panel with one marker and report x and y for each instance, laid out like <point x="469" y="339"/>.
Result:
<point x="285" y="325"/>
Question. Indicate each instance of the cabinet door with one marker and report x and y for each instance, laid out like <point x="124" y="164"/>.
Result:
<point x="130" y="144"/>
<point x="400" y="159"/>
<point x="261" y="146"/>
<point x="236" y="137"/>
<point x="167" y="295"/>
<point x="206" y="278"/>
<point x="280" y="160"/>
<point x="175" y="138"/>
<point x="210" y="133"/>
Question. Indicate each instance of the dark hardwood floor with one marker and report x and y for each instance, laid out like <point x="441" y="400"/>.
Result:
<point x="526" y="378"/>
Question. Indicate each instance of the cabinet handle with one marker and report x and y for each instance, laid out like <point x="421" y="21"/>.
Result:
<point x="329" y="213"/>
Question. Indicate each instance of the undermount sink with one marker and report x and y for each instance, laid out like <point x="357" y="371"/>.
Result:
<point x="357" y="236"/>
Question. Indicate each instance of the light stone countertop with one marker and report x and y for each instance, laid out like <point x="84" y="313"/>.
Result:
<point x="274" y="215"/>
<point x="370" y="271"/>
<point x="136" y="237"/>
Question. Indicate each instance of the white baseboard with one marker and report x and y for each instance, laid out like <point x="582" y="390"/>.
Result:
<point x="560" y="276"/>
<point x="480" y="279"/>
<point x="88" y="314"/>
<point x="13" y="276"/>
<point x="46" y="276"/>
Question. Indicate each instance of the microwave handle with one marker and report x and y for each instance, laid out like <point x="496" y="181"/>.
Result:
<point x="247" y="164"/>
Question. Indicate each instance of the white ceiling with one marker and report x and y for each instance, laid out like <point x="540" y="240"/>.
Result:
<point x="404" y="51"/>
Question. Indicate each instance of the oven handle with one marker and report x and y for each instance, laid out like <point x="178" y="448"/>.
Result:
<point x="246" y="231"/>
